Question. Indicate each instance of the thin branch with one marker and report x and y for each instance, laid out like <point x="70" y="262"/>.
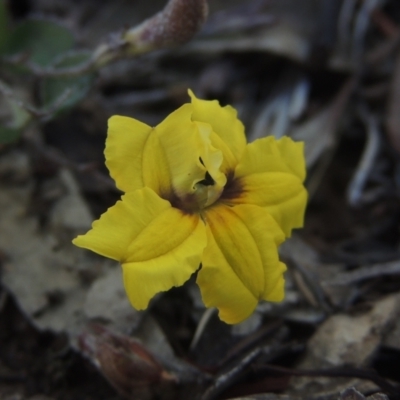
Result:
<point x="33" y="111"/>
<point x="366" y="164"/>
<point x="10" y="95"/>
<point x="369" y="272"/>
<point x="50" y="72"/>
<point x="225" y="380"/>
<point x="341" y="372"/>
<point x="176" y="24"/>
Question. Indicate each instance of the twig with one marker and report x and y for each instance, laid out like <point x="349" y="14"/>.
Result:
<point x="8" y="93"/>
<point x="386" y="25"/>
<point x="362" y="22"/>
<point x="33" y="111"/>
<point x="310" y="286"/>
<point x="344" y="25"/>
<point x="204" y="320"/>
<point x="285" y="105"/>
<point x="223" y="381"/>
<point x="264" y="354"/>
<point x="176" y="24"/>
<point x="276" y="330"/>
<point x="50" y="72"/>
<point x="369" y="272"/>
<point x="364" y="168"/>
<point x="341" y="372"/>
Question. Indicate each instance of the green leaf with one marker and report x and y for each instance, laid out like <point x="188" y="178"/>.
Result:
<point x="20" y="116"/>
<point x="73" y="89"/>
<point x="14" y="118"/>
<point x="9" y="135"/>
<point x="4" y="25"/>
<point x="41" y="40"/>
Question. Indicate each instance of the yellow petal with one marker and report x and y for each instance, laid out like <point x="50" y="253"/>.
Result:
<point x="188" y="151"/>
<point x="179" y="139"/>
<point x="131" y="150"/>
<point x="270" y="175"/>
<point x="240" y="263"/>
<point x="271" y="155"/>
<point x="166" y="254"/>
<point x="112" y="234"/>
<point x="282" y="195"/>
<point x="158" y="245"/>
<point x="228" y="131"/>
<point x="292" y="154"/>
<point x="170" y="158"/>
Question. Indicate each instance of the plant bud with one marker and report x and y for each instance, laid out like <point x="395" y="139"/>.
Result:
<point x="177" y="23"/>
<point x="125" y="363"/>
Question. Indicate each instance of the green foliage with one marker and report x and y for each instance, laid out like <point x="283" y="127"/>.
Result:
<point x="9" y="135"/>
<point x="46" y="44"/>
<point x="74" y="88"/>
<point x="18" y="118"/>
<point x="42" y="41"/>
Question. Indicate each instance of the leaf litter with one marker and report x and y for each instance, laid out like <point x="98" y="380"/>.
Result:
<point x="325" y="72"/>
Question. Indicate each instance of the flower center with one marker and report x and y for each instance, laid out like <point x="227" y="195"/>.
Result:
<point x="207" y="191"/>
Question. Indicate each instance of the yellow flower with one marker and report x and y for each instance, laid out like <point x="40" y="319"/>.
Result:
<point x="196" y="194"/>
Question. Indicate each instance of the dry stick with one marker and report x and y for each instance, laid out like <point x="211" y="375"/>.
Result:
<point x="36" y="112"/>
<point x="50" y="72"/>
<point x="275" y="330"/>
<point x="310" y="286"/>
<point x="224" y="381"/>
<point x="344" y="25"/>
<point x="365" y="166"/>
<point x="352" y="28"/>
<point x="362" y="21"/>
<point x="387" y="26"/>
<point x="344" y="372"/>
<point x="205" y="318"/>
<point x="376" y="56"/>
<point x="337" y="107"/>
<point x="176" y="24"/>
<point x="7" y="92"/>
<point x="369" y="272"/>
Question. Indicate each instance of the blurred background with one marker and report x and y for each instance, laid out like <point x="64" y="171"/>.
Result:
<point x="326" y="72"/>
